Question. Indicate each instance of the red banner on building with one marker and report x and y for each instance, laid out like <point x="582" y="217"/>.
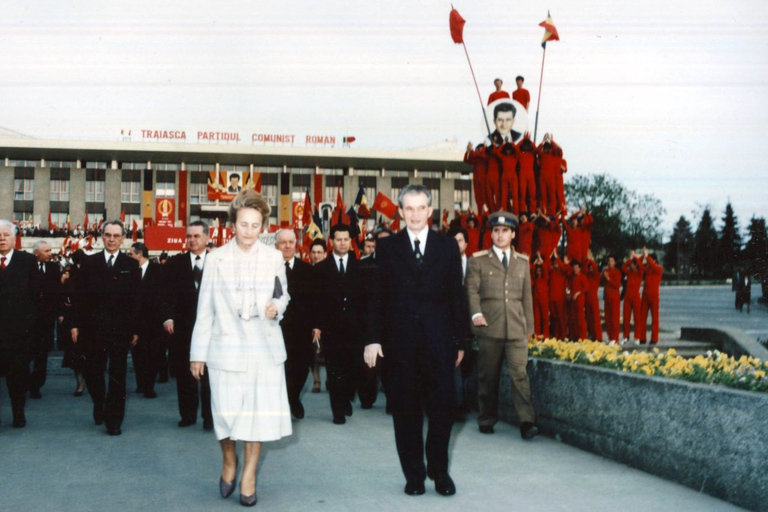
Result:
<point x="165" y="210"/>
<point x="159" y="238"/>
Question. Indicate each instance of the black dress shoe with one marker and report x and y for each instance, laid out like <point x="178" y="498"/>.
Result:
<point x="528" y="430"/>
<point x="186" y="422"/>
<point x="339" y="420"/>
<point x="98" y="416"/>
<point x="444" y="484"/>
<point x="486" y="429"/>
<point x="19" y="421"/>
<point x="248" y="501"/>
<point x="150" y="393"/>
<point x="208" y="424"/>
<point x="414" y="488"/>
<point x="79" y="393"/>
<point x="114" y="431"/>
<point x="297" y="410"/>
<point x="35" y="394"/>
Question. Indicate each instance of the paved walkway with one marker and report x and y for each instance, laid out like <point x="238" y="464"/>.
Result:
<point x="61" y="461"/>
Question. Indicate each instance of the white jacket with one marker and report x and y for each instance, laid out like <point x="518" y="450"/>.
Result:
<point x="219" y="338"/>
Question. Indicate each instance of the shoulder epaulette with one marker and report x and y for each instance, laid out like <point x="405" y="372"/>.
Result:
<point x="480" y="253"/>
<point x="521" y="255"/>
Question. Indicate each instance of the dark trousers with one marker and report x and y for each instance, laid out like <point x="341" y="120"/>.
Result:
<point x="341" y="367"/>
<point x="16" y="373"/>
<point x="367" y="383"/>
<point x="39" y="370"/>
<point x="297" y="367"/>
<point x="422" y="385"/>
<point x="44" y="330"/>
<point x="187" y="387"/>
<point x="112" y="357"/>
<point x="147" y="360"/>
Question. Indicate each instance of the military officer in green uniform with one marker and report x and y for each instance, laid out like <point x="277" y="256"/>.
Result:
<point x="501" y="305"/>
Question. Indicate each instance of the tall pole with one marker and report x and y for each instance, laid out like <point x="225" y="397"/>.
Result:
<point x="482" y="107"/>
<point x="538" y="102"/>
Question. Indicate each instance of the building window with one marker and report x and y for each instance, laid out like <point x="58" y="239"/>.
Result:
<point x="268" y="170"/>
<point x="398" y="184"/>
<point x="300" y="186"/>
<point x="130" y="192"/>
<point x="462" y="194"/>
<point x="397" y="173"/>
<point x="333" y="185"/>
<point x="235" y="168"/>
<point x="129" y="220"/>
<point x="96" y="165"/>
<point x="59" y="164"/>
<point x="24" y="189"/>
<point x="330" y="172"/>
<point x="134" y="166"/>
<point x="166" y="167"/>
<point x="24" y="163"/>
<point x="369" y="185"/>
<point x="59" y="190"/>
<point x="165" y="184"/>
<point x="301" y="170"/>
<point x="94" y="191"/>
<point x="60" y="219"/>
<point x="367" y="172"/>
<point x="430" y="175"/>
<point x="433" y="184"/>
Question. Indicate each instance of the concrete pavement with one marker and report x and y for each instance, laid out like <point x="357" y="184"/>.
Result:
<point x="61" y="461"/>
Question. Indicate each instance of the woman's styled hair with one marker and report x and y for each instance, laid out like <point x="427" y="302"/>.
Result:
<point x="249" y="198"/>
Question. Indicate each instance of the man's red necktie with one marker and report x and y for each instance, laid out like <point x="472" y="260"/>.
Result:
<point x="2" y="263"/>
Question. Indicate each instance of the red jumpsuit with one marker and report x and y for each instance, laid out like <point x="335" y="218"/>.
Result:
<point x="540" y="288"/>
<point x="548" y="236"/>
<point x="653" y="273"/>
<point x="473" y="243"/>
<point x="493" y="181"/>
<point x="574" y="237"/>
<point x="632" y="297"/>
<point x="549" y="166"/>
<point x="478" y="159"/>
<point x="612" y="302"/>
<point x="592" y="301"/>
<point x="562" y="168"/>
<point x="525" y="238"/>
<point x="507" y="155"/>
<point x="526" y="157"/>
<point x="578" y="324"/>
<point x="585" y="229"/>
<point x="558" y="279"/>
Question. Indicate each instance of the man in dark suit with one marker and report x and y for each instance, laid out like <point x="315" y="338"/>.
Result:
<point x="297" y="320"/>
<point x="416" y="319"/>
<point x="341" y="321"/>
<point x="48" y="301"/>
<point x="17" y="314"/>
<point x="183" y="274"/>
<point x="105" y="318"/>
<point x="147" y="356"/>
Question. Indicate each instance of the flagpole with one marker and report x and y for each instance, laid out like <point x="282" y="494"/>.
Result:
<point x="538" y="102"/>
<point x="482" y="107"/>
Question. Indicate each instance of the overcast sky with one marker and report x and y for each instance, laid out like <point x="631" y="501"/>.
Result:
<point x="670" y="97"/>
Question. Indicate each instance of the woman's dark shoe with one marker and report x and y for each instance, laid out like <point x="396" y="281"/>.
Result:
<point x="227" y="488"/>
<point x="79" y="392"/>
<point x="248" y="501"/>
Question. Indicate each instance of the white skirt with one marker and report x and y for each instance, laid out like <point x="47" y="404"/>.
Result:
<point x="251" y="405"/>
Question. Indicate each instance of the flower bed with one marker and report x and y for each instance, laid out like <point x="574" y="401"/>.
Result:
<point x="746" y="372"/>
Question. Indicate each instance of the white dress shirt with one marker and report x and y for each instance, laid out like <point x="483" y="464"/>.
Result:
<point x="422" y="236"/>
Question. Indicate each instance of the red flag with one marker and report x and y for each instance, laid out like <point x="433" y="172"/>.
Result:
<point x="306" y="217"/>
<point x="395" y="226"/>
<point x="85" y="221"/>
<point x="257" y="182"/>
<point x="456" y="22"/>
<point x="68" y="225"/>
<point x="135" y="229"/>
<point x="98" y="226"/>
<point x="64" y="245"/>
<point x="384" y="205"/>
<point x="51" y="225"/>
<point x="339" y="200"/>
<point x="445" y="217"/>
<point x="17" y="246"/>
<point x="89" y="245"/>
<point x="339" y="215"/>
<point x="122" y="216"/>
<point x="550" y="32"/>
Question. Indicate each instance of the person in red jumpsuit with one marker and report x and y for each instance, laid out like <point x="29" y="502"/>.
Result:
<point x="558" y="282"/>
<point x="591" y="299"/>
<point x="585" y="228"/>
<point x="561" y="168"/>
<point x="633" y="269"/>
<point x="507" y="155"/>
<point x="498" y="93"/>
<point x="574" y="237"/>
<point x="650" y="301"/>
<point x="579" y="286"/>
<point x="473" y="236"/>
<point x="547" y="234"/>
<point x="540" y="288"/>
<point x="525" y="235"/>
<point x="611" y="280"/>
<point x="520" y="95"/>
<point x="526" y="159"/>
<point x="549" y="166"/>
<point x="478" y="159"/>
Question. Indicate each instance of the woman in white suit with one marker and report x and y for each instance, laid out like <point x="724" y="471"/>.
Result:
<point x="243" y="295"/>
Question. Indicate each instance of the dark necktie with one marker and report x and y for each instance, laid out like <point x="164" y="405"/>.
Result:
<point x="197" y="272"/>
<point x="287" y="268"/>
<point x="42" y="267"/>
<point x="2" y="263"/>
<point x="111" y="260"/>
<point x="341" y="266"/>
<point x="417" y="251"/>
<point x="504" y="261"/>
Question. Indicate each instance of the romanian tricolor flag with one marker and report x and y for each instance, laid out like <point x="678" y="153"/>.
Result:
<point x="550" y="32"/>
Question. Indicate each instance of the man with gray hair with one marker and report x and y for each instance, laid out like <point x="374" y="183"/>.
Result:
<point x="105" y="318"/>
<point x="48" y="299"/>
<point x="416" y="320"/>
<point x="17" y="315"/>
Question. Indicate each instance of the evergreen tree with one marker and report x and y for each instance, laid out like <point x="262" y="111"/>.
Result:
<point x="755" y="255"/>
<point x="703" y="259"/>
<point x="678" y="250"/>
<point x="729" y="245"/>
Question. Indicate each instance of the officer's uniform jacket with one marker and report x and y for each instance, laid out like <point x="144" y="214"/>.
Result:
<point x="503" y="296"/>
